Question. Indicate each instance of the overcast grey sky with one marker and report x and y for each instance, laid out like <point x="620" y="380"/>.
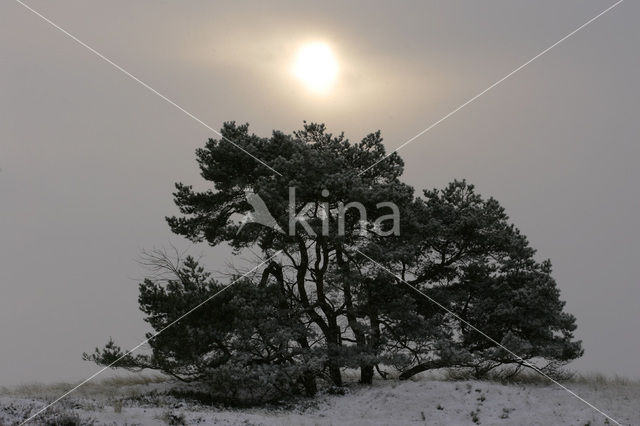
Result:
<point x="88" y="157"/>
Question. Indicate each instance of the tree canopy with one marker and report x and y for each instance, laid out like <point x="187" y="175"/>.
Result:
<point x="345" y="288"/>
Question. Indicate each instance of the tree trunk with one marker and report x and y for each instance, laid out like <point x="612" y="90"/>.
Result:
<point x="335" y="373"/>
<point x="366" y="374"/>
<point x="366" y="370"/>
<point x="308" y="377"/>
<point x="309" y="383"/>
<point x="429" y="365"/>
<point x="333" y="350"/>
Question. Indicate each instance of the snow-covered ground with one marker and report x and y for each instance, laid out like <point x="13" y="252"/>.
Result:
<point x="424" y="401"/>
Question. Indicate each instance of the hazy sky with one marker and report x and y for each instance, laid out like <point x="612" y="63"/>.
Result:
<point x="88" y="157"/>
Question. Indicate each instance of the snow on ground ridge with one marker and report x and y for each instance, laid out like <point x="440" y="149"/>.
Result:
<point x="423" y="402"/>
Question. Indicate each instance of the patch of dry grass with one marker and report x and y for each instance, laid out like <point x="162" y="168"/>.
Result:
<point x="524" y="377"/>
<point x="602" y="380"/>
<point x="109" y="386"/>
<point x="533" y="378"/>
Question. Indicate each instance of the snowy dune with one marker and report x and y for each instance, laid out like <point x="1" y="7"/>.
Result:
<point x="431" y="402"/>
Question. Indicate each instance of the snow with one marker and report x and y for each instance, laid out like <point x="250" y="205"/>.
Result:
<point x="390" y="402"/>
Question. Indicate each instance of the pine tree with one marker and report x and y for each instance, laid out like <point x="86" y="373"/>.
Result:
<point x="345" y="290"/>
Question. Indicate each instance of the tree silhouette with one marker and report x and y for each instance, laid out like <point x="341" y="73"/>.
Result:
<point x="329" y="296"/>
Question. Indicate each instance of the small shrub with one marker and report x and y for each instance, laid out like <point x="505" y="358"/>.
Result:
<point x="174" y="419"/>
<point x="505" y="413"/>
<point x="336" y="390"/>
<point x="63" y="418"/>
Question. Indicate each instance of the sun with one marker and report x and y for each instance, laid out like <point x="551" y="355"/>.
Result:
<point x="316" y="66"/>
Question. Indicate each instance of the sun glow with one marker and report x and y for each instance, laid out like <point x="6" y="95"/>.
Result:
<point x="316" y="67"/>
